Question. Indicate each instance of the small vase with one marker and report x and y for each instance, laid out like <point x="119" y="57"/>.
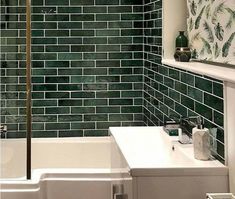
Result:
<point x="181" y="40"/>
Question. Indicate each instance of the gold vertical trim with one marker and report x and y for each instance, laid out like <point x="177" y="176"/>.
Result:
<point x="28" y="88"/>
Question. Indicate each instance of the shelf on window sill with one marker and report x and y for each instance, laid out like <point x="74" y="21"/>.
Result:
<point x="225" y="74"/>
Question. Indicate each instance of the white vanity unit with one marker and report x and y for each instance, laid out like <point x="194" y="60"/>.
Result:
<point x="162" y="168"/>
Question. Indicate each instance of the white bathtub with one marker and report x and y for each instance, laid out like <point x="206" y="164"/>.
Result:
<point x="71" y="168"/>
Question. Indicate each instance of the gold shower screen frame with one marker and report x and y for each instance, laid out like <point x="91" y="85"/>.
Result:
<point x="28" y="89"/>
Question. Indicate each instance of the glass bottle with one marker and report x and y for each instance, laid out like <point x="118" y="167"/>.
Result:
<point x="181" y="40"/>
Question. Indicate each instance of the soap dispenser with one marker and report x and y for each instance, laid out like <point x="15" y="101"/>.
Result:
<point x="201" y="141"/>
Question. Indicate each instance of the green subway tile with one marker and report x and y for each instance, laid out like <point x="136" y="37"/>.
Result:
<point x="119" y="9"/>
<point x="105" y="2"/>
<point x="120" y="55"/>
<point x="218" y="89"/>
<point x="44" y="103"/>
<point x="108" y="109"/>
<point x="82" y="64"/>
<point x="186" y="101"/>
<point x="120" y="71"/>
<point x="195" y="93"/>
<point x="119" y="40"/>
<point x="107" y="94"/>
<point x="90" y="133"/>
<point x="214" y="102"/>
<point x="58" y="48"/>
<point x="95" y="86"/>
<point x="174" y="74"/>
<point x="169" y="102"/>
<point x="131" y="32"/>
<point x="95" y="71"/>
<point x="44" y="56"/>
<point x="180" y="87"/>
<point x="96" y="117"/>
<point x="132" y="78"/>
<point x="107" y="17"/>
<point x="120" y="117"/>
<point x="71" y="133"/>
<point x="82" y="110"/>
<point x="95" y="102"/>
<point x="120" y="86"/>
<point x="57" y="2"/>
<point x="70" y="102"/>
<point x="70" y="25"/>
<point x="131" y="2"/>
<point x="132" y="16"/>
<point x="57" y="110"/>
<point x="131" y="109"/>
<point x="69" y="71"/>
<point x="43" y="41"/>
<point x="69" y="118"/>
<point x="44" y="134"/>
<point x="95" y="25"/>
<point x="95" y="40"/>
<point x="83" y="48"/>
<point x="108" y="63"/>
<point x="82" y="2"/>
<point x="56" y="33"/>
<point x="44" y="25"/>
<point x="95" y="56"/>
<point x="203" y="110"/>
<point x="82" y="17"/>
<point x="83" y="125"/>
<point x="37" y="95"/>
<point x="107" y="33"/>
<point x="218" y="118"/>
<point x="107" y="48"/>
<point x="181" y="109"/>
<point x="187" y="78"/>
<point x="44" y="118"/>
<point x="69" y="9"/>
<point x="61" y="79"/>
<point x="131" y="93"/>
<point x="69" y="87"/>
<point x="56" y="17"/>
<point x="57" y="126"/>
<point x="108" y="79"/>
<point x="93" y="9"/>
<point x="83" y="94"/>
<point x="82" y="79"/>
<point x="69" y="56"/>
<point x="203" y="84"/>
<point x="84" y="33"/>
<point x="57" y="95"/>
<point x="106" y="125"/>
<point x="67" y="40"/>
<point x="120" y="24"/>
<point x="123" y="101"/>
<point x="44" y="87"/>
<point x="56" y="64"/>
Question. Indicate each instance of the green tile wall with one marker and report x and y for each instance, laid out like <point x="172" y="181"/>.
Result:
<point x="97" y="63"/>
<point x="170" y="93"/>
<point x="87" y="68"/>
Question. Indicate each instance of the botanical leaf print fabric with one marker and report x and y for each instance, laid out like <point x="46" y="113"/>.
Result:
<point x="211" y="29"/>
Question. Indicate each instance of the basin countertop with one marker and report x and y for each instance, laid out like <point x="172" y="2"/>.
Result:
<point x="150" y="151"/>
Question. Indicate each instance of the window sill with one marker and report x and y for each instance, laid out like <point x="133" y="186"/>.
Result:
<point x="225" y="74"/>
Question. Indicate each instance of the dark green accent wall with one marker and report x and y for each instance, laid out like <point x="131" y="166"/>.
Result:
<point x="87" y="68"/>
<point x="97" y="63"/>
<point x="170" y="93"/>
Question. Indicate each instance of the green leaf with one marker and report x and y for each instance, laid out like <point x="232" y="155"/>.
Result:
<point x="190" y="25"/>
<point x="206" y="46"/>
<point x="216" y="50"/>
<point x="219" y="9"/>
<point x="208" y="11"/>
<point x="227" y="45"/>
<point x="198" y="20"/>
<point x="207" y="28"/>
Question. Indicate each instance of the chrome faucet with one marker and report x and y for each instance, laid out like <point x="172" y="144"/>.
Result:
<point x="184" y="127"/>
<point x="3" y="130"/>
